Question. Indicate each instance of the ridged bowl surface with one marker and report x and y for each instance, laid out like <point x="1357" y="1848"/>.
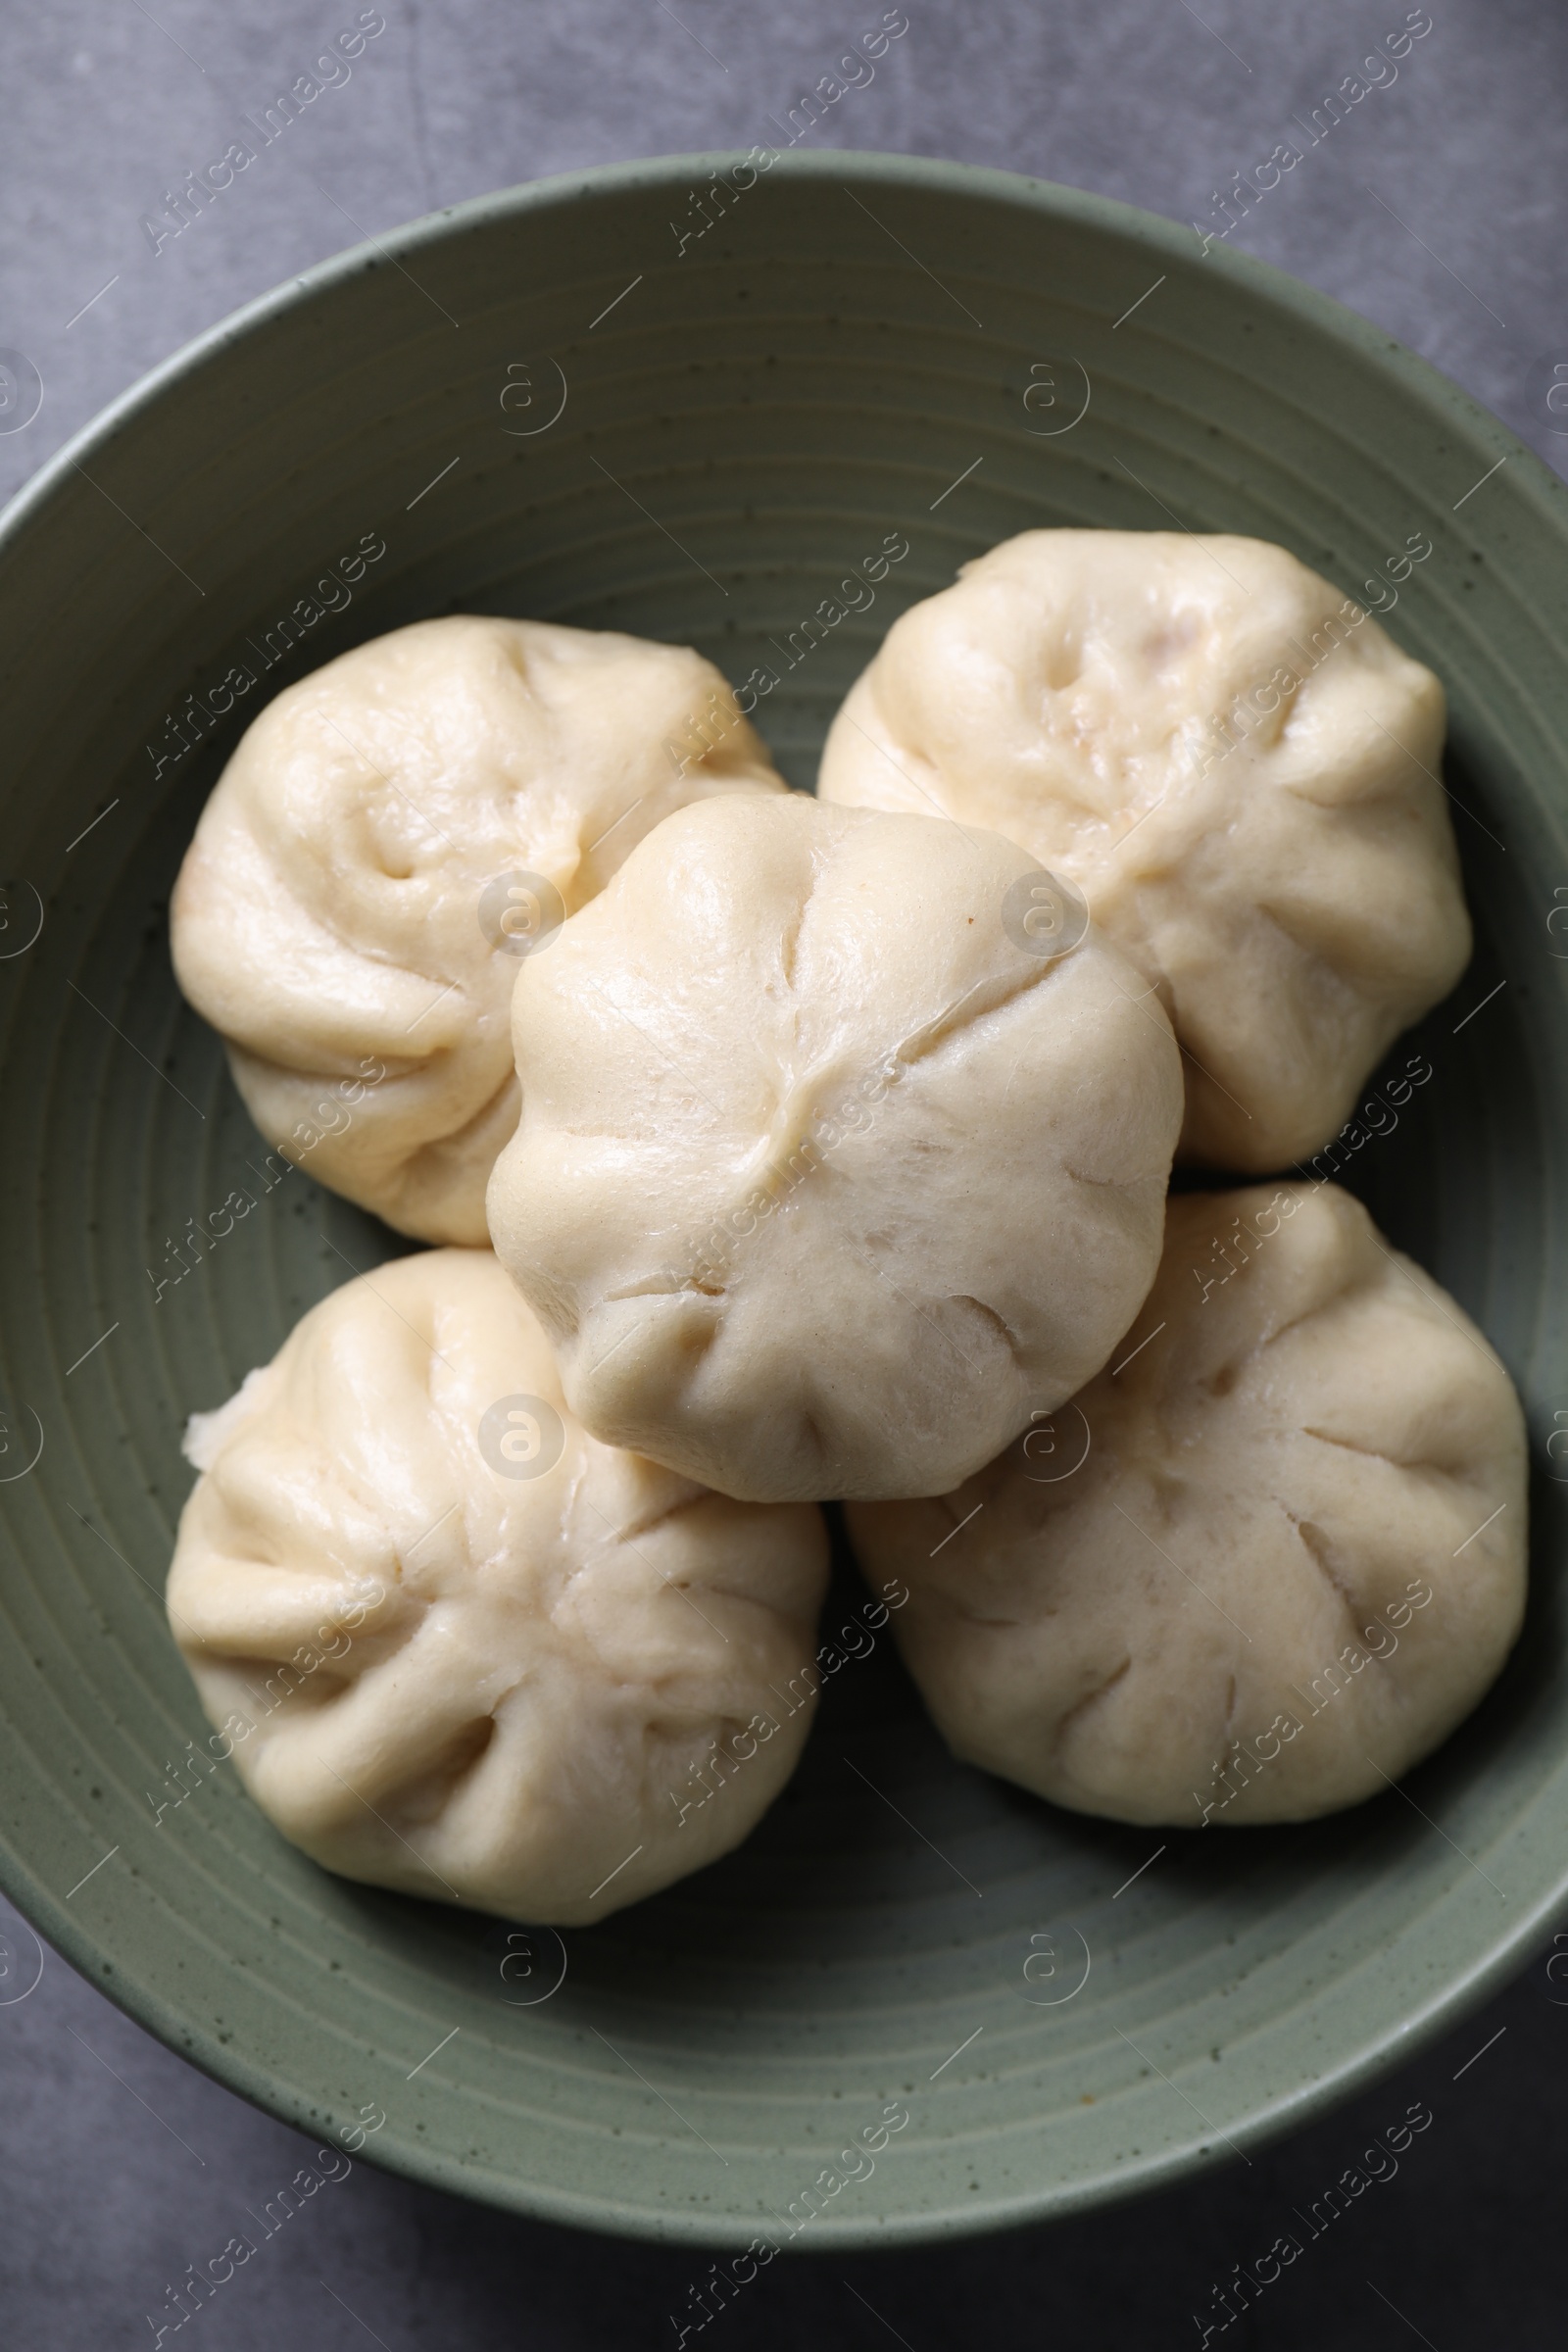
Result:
<point x="543" y="404"/>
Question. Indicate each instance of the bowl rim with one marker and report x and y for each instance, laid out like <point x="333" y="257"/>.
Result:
<point x="1324" y="317"/>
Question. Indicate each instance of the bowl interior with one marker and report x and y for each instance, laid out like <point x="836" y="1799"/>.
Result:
<point x="548" y="405"/>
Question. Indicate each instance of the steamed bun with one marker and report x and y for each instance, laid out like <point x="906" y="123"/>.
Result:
<point x="1235" y="766"/>
<point x="457" y="1645"/>
<point x="837" y="1155"/>
<point x="392" y="836"/>
<point x="1263" y="1563"/>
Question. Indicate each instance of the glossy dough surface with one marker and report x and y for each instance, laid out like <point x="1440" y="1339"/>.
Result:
<point x="444" y="1667"/>
<point x="825" y="1176"/>
<point x="1255" y="1573"/>
<point x="1237" y="766"/>
<point x="331" y="918"/>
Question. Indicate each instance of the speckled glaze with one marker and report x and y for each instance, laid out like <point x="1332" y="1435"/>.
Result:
<point x="543" y="404"/>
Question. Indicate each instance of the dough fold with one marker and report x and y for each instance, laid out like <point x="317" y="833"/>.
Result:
<point x="1261" y="1565"/>
<point x="1238" y="769"/>
<point x="394" y="837"/>
<point x="458" y="1648"/>
<point x="839" y="1153"/>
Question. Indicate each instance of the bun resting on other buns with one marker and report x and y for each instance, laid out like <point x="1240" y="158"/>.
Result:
<point x="459" y="1647"/>
<point x="844" y="1146"/>
<point x="393" y="837"/>
<point x="1263" y="1563"/>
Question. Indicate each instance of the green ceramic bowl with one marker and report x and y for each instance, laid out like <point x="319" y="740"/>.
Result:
<point x="575" y="402"/>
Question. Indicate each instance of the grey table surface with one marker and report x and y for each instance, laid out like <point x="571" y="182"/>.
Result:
<point x="1436" y="210"/>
